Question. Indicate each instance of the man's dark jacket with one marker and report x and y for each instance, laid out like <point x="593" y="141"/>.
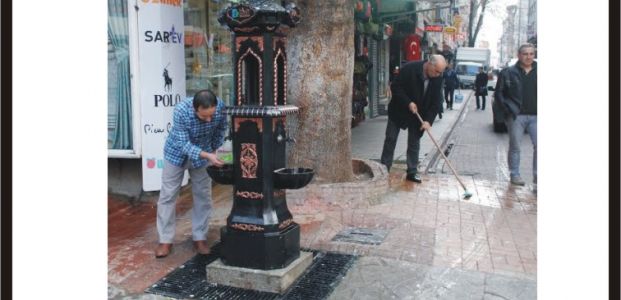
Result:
<point x="408" y="87"/>
<point x="480" y="84"/>
<point x="508" y="92"/>
<point x="451" y="81"/>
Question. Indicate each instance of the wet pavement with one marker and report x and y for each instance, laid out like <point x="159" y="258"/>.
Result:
<point x="436" y="245"/>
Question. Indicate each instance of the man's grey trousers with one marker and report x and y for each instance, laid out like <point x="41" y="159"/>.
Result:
<point x="172" y="177"/>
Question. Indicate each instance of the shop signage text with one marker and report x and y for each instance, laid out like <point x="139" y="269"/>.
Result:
<point x="176" y="3"/>
<point x="450" y="29"/>
<point x="433" y="28"/>
<point x="166" y="100"/>
<point x="162" y="81"/>
<point x="152" y="129"/>
<point x="163" y="36"/>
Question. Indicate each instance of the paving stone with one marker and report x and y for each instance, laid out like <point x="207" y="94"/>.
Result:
<point x="402" y="280"/>
<point x="512" y="288"/>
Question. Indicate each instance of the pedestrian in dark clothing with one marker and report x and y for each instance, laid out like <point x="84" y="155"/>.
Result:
<point x="516" y="93"/>
<point x="480" y="88"/>
<point x="417" y="88"/>
<point x="451" y="82"/>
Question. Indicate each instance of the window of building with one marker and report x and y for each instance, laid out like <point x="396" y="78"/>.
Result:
<point x="208" y="56"/>
<point x="119" y="92"/>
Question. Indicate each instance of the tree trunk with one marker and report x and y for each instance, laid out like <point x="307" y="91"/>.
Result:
<point x="473" y="12"/>
<point x="320" y="78"/>
<point x="472" y="34"/>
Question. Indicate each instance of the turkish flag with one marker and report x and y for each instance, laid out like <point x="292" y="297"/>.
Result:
<point x="411" y="47"/>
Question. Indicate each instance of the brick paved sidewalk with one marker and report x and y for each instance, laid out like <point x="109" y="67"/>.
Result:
<point x="429" y="223"/>
<point x="428" y="226"/>
<point x="441" y="246"/>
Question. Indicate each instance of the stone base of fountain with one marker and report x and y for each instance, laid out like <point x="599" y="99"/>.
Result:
<point x="272" y="281"/>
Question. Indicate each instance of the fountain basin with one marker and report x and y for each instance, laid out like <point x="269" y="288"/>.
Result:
<point x="222" y="175"/>
<point x="292" y="178"/>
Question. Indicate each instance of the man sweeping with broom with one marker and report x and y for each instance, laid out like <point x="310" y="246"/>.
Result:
<point x="417" y="88"/>
<point x="416" y="97"/>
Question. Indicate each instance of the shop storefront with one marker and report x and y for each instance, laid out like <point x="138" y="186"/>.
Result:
<point x="380" y="27"/>
<point x="159" y="53"/>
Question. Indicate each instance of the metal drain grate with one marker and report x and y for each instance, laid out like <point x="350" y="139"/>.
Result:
<point x="326" y="272"/>
<point x="366" y="236"/>
<point x="189" y="281"/>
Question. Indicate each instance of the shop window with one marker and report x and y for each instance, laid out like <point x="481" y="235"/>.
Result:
<point x="119" y="95"/>
<point x="207" y="50"/>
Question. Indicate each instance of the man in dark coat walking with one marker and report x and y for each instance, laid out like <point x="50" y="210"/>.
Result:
<point x="417" y="88"/>
<point x="480" y="88"/>
<point x="516" y="94"/>
<point x="451" y="82"/>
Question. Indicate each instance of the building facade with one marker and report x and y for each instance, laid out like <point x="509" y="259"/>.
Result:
<point x="159" y="53"/>
<point x="519" y="27"/>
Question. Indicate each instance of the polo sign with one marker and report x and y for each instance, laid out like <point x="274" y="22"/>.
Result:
<point x="162" y="80"/>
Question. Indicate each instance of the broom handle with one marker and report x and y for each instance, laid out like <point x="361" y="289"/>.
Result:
<point x="442" y="152"/>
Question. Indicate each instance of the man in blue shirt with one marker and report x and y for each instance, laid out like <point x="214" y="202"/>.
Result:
<point x="198" y="131"/>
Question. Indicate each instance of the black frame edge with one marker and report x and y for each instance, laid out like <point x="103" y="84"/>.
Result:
<point x="6" y="149"/>
<point x="614" y="165"/>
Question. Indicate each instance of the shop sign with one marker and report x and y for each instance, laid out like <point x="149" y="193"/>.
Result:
<point x="176" y="3"/>
<point x="450" y="29"/>
<point x="162" y="82"/>
<point x="433" y="28"/>
<point x="163" y="36"/>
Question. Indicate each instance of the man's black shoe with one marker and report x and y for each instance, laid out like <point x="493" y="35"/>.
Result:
<point x="413" y="177"/>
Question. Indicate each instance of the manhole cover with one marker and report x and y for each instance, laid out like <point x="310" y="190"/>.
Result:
<point x="366" y="236"/>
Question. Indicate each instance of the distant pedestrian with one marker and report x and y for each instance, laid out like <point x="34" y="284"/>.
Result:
<point x="197" y="132"/>
<point x="480" y="88"/>
<point x="451" y="82"/>
<point x="516" y="93"/>
<point x="417" y="88"/>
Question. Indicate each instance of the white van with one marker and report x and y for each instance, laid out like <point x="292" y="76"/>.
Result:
<point x="467" y="72"/>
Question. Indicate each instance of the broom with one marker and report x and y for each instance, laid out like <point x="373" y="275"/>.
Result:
<point x="467" y="194"/>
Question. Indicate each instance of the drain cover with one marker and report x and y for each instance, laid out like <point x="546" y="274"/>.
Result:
<point x="189" y="281"/>
<point x="366" y="236"/>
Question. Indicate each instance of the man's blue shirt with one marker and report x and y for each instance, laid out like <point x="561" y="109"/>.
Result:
<point x="189" y="134"/>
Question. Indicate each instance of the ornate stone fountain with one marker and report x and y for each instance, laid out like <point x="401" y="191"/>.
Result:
<point x="260" y="232"/>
